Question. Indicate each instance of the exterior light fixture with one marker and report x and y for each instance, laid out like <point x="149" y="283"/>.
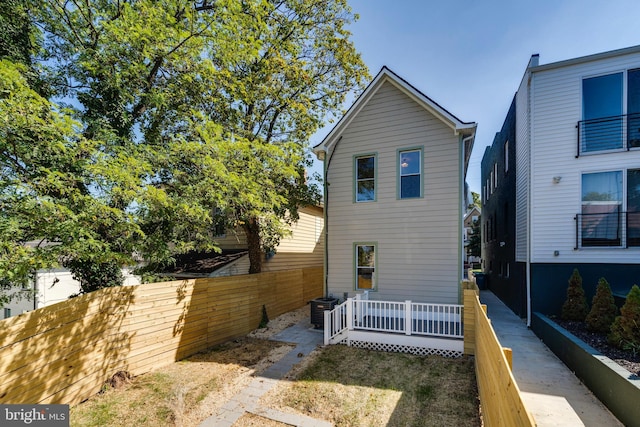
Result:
<point x="557" y="179"/>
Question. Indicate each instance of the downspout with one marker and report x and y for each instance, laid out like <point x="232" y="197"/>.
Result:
<point x="325" y="213"/>
<point x="528" y="264"/>
<point x="461" y="253"/>
<point x="326" y="160"/>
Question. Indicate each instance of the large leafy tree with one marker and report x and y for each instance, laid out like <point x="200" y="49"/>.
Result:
<point x="17" y="36"/>
<point x="189" y="114"/>
<point x="48" y="213"/>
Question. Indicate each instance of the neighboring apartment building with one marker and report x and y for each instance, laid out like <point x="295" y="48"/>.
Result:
<point x="576" y="201"/>
<point x="503" y="275"/>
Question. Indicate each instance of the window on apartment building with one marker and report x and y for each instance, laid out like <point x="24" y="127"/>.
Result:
<point x="365" y="173"/>
<point x="492" y="182"/>
<point x="633" y="207"/>
<point x="610" y="213"/>
<point x="610" y="112"/>
<point x="633" y="108"/>
<point x="7" y="313"/>
<point x="602" y="113"/>
<point x="495" y="173"/>
<point x="507" y="272"/>
<point x="506" y="157"/>
<point x="365" y="265"/>
<point x="600" y="219"/>
<point x="410" y="173"/>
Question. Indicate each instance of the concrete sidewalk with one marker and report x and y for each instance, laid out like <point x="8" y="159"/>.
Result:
<point x="551" y="392"/>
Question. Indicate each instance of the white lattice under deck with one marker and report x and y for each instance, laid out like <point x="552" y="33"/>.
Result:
<point x="405" y="344"/>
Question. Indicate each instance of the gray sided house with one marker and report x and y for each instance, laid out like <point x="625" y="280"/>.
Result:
<point x="394" y="168"/>
<point x="576" y="199"/>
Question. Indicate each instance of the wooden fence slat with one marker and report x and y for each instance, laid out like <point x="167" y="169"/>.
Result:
<point x="63" y="353"/>
<point x="500" y="397"/>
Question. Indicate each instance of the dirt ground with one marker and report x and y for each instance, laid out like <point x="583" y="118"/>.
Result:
<point x="185" y="393"/>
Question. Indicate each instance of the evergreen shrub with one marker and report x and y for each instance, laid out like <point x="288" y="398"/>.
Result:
<point x="603" y="308"/>
<point x="625" y="331"/>
<point x="575" y="307"/>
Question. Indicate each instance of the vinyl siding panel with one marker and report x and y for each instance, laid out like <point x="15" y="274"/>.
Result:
<point x="556" y="110"/>
<point x="304" y="247"/>
<point x="522" y="168"/>
<point x="418" y="240"/>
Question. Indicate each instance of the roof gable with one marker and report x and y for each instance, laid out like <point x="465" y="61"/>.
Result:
<point x="386" y="75"/>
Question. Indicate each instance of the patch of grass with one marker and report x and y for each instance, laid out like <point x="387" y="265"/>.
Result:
<point x="180" y="394"/>
<point x="354" y="387"/>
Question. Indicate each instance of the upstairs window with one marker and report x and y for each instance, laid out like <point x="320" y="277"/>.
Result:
<point x="506" y="157"/>
<point x="602" y="113"/>
<point x="633" y="108"/>
<point x="365" y="172"/>
<point x="410" y="174"/>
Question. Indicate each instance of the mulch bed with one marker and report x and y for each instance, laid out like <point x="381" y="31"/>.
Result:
<point x="626" y="359"/>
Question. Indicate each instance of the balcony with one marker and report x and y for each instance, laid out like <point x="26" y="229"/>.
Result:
<point x="613" y="133"/>
<point x="608" y="229"/>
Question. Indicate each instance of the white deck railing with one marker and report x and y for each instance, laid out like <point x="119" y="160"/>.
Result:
<point x="406" y="318"/>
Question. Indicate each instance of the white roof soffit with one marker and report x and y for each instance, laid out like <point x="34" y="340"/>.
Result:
<point x="386" y="75"/>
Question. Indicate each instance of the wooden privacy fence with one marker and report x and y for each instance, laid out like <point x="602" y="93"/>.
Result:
<point x="502" y="403"/>
<point x="65" y="352"/>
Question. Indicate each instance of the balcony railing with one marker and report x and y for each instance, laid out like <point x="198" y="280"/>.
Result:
<point x="608" y="133"/>
<point x="608" y="229"/>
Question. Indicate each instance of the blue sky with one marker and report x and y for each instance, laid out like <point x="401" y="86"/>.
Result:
<point x="469" y="56"/>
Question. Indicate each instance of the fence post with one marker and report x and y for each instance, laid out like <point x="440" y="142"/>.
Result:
<point x="328" y="327"/>
<point x="508" y="354"/>
<point x="469" y="334"/>
<point x="408" y="326"/>
<point x="350" y="313"/>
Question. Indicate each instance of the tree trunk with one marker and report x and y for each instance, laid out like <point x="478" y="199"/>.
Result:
<point x="252" y="230"/>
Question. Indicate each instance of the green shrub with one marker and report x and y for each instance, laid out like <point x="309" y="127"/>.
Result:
<point x="575" y="307"/>
<point x="603" y="308"/>
<point x="625" y="331"/>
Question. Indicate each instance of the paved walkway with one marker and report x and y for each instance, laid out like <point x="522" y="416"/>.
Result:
<point x="306" y="339"/>
<point x="551" y="392"/>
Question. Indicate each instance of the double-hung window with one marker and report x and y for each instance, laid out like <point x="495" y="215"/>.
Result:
<point x="365" y="266"/>
<point x="410" y="173"/>
<point x="365" y="182"/>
